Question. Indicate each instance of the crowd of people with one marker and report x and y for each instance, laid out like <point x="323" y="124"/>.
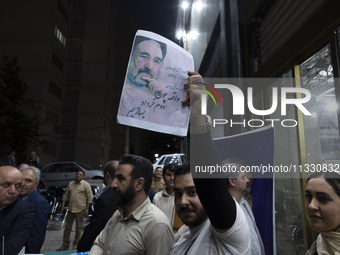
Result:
<point x="185" y="215"/>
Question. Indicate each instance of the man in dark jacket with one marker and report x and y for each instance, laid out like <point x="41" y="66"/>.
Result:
<point x="16" y="216"/>
<point x="104" y="207"/>
<point x="29" y="193"/>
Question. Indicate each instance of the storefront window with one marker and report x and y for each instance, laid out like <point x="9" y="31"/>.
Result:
<point x="288" y="206"/>
<point x="204" y="15"/>
<point x="321" y="127"/>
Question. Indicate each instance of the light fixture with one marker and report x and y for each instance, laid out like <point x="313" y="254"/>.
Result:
<point x="193" y="35"/>
<point x="180" y="34"/>
<point x="198" y="6"/>
<point x="185" y="5"/>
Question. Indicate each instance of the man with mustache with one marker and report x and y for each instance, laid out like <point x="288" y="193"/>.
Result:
<point x="16" y="215"/>
<point x="142" y="78"/>
<point x="138" y="227"/>
<point x="145" y="64"/>
<point x="216" y="221"/>
<point x="79" y="196"/>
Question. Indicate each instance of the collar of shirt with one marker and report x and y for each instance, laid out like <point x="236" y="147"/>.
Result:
<point x="166" y="194"/>
<point x="28" y="195"/>
<point x="76" y="182"/>
<point x="136" y="214"/>
<point x="242" y="201"/>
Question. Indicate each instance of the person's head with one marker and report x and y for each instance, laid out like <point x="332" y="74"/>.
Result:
<point x="80" y="175"/>
<point x="158" y="172"/>
<point x="109" y="171"/>
<point x="187" y="202"/>
<point x="10" y="183"/>
<point x="237" y="179"/>
<point x="133" y="176"/>
<point x="169" y="175"/>
<point x="23" y="165"/>
<point x="322" y="201"/>
<point x="12" y="152"/>
<point x="146" y="60"/>
<point x="33" y="154"/>
<point x="31" y="176"/>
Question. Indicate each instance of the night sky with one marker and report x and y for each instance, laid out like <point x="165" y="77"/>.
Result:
<point x="158" y="16"/>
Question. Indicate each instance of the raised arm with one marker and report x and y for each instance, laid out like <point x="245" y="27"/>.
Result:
<point x="213" y="193"/>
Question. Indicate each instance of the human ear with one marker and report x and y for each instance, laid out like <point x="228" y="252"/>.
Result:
<point x="232" y="181"/>
<point x="139" y="183"/>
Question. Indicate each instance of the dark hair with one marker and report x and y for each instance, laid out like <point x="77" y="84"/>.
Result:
<point x="80" y="170"/>
<point x="169" y="167"/>
<point x="158" y="168"/>
<point x="139" y="39"/>
<point x="142" y="167"/>
<point x="110" y="168"/>
<point x="332" y="178"/>
<point x="182" y="169"/>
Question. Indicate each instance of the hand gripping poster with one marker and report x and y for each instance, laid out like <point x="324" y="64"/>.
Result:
<point x="153" y="88"/>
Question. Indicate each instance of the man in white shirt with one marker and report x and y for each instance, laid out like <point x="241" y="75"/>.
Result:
<point x="216" y="221"/>
<point x="138" y="226"/>
<point x="165" y="200"/>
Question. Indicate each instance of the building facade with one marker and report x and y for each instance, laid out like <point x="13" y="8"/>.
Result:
<point x="67" y="54"/>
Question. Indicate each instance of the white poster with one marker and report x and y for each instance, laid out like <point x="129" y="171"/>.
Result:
<point x="153" y="88"/>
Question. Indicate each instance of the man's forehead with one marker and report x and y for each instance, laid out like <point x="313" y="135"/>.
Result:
<point x="183" y="181"/>
<point x="124" y="169"/>
<point x="28" y="172"/>
<point x="10" y="173"/>
<point x="149" y="45"/>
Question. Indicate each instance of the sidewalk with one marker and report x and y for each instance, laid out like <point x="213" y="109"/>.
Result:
<point x="53" y="240"/>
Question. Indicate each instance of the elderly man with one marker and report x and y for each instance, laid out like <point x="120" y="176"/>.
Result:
<point x="138" y="227"/>
<point x="16" y="216"/>
<point x="237" y="186"/>
<point x="145" y="63"/>
<point x="142" y="78"/>
<point x="30" y="193"/>
<point x="79" y="196"/>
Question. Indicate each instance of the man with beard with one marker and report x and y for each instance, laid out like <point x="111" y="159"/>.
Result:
<point x="142" y="75"/>
<point x="16" y="216"/>
<point x="217" y="223"/>
<point x="145" y="64"/>
<point x="138" y="227"/>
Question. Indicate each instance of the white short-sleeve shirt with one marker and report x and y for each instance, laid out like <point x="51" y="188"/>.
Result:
<point x="204" y="239"/>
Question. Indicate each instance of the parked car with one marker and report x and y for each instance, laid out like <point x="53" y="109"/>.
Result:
<point x="59" y="174"/>
<point x="178" y="158"/>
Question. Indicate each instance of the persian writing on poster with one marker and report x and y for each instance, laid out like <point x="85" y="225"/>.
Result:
<point x="153" y="88"/>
